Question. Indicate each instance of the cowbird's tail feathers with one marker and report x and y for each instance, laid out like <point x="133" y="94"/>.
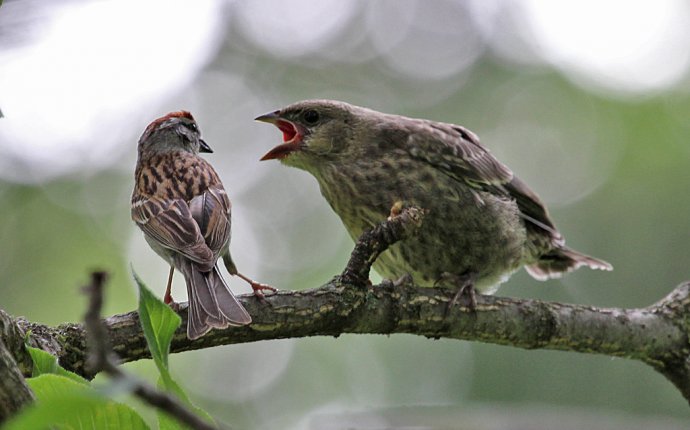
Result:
<point x="562" y="260"/>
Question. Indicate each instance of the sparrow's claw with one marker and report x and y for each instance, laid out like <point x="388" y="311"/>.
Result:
<point x="258" y="287"/>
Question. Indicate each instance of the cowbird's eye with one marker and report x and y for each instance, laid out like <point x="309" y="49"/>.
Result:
<point x="311" y="116"/>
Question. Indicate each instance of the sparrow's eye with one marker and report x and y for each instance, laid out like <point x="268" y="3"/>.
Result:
<point x="192" y="126"/>
<point x="311" y="116"/>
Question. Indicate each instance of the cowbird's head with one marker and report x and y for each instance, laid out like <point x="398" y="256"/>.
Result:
<point x="317" y="132"/>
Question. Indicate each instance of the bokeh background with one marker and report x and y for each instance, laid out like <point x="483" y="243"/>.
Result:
<point x="588" y="101"/>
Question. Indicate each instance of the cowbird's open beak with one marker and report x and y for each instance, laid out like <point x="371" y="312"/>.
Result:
<point x="292" y="136"/>
<point x="203" y="146"/>
<point x="270" y="118"/>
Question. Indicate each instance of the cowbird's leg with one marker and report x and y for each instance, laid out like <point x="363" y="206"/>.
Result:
<point x="466" y="293"/>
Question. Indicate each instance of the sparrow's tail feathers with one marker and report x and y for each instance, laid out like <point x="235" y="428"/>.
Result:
<point x="211" y="303"/>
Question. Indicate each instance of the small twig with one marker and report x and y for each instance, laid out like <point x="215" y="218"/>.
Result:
<point x="101" y="358"/>
<point x="376" y="240"/>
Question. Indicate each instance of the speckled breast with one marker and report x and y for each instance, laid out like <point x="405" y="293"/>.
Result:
<point x="464" y="231"/>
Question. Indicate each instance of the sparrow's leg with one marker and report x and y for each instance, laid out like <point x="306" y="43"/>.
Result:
<point x="256" y="286"/>
<point x="167" y="298"/>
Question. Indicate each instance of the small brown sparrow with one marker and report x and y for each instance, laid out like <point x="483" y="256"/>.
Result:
<point x="180" y="204"/>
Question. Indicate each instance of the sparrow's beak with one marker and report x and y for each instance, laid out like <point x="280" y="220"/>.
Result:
<point x="203" y="146"/>
<point x="292" y="136"/>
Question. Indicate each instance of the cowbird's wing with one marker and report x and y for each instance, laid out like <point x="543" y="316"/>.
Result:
<point x="457" y="152"/>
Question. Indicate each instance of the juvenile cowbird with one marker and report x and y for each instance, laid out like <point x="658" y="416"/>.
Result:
<point x="482" y="222"/>
<point x="181" y="206"/>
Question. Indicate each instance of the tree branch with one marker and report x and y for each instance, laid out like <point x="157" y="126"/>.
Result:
<point x="14" y="393"/>
<point x="657" y="335"/>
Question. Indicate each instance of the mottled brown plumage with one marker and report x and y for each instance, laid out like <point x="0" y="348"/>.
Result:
<point x="483" y="222"/>
<point x="175" y="175"/>
<point x="181" y="206"/>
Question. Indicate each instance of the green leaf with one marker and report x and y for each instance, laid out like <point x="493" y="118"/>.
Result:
<point x="159" y="323"/>
<point x="165" y="422"/>
<point x="46" y="363"/>
<point x="65" y="403"/>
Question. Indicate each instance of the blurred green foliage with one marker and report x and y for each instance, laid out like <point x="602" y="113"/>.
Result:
<point x="613" y="168"/>
<point x="67" y="400"/>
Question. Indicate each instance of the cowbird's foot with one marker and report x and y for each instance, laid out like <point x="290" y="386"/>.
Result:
<point x="466" y="294"/>
<point x="396" y="209"/>
<point x="405" y="279"/>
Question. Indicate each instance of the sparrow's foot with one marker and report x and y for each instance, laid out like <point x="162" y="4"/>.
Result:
<point x="175" y="306"/>
<point x="258" y="287"/>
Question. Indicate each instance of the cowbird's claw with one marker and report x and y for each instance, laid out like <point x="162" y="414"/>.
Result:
<point x="405" y="279"/>
<point x="396" y="209"/>
<point x="466" y="294"/>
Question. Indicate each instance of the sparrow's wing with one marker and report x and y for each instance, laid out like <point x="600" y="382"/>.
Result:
<point x="171" y="224"/>
<point x="457" y="152"/>
<point x="211" y="211"/>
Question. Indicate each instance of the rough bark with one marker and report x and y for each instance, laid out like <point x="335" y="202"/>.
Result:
<point x="14" y="393"/>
